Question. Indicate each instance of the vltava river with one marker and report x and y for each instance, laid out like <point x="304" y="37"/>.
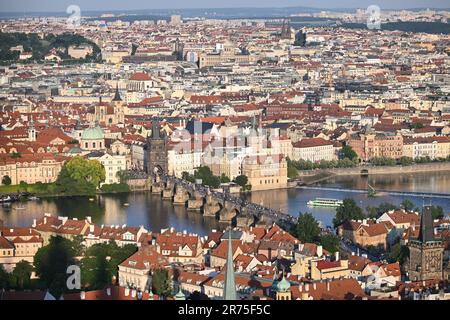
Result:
<point x="154" y="213"/>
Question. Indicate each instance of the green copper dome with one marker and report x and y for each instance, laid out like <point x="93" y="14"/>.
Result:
<point x="180" y="295"/>
<point x="94" y="133"/>
<point x="283" y="285"/>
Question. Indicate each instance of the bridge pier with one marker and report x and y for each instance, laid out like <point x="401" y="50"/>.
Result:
<point x="196" y="203"/>
<point x="245" y="219"/>
<point x="228" y="212"/>
<point x="168" y="191"/>
<point x="211" y="207"/>
<point x="181" y="196"/>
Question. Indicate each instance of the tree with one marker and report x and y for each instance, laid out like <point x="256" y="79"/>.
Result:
<point x="16" y="155"/>
<point x="241" y="180"/>
<point x="406" y="161"/>
<point x="51" y="262"/>
<point x="376" y="212"/>
<point x="307" y="228"/>
<point x="79" y="176"/>
<point x="330" y="242"/>
<point x="197" y="295"/>
<point x="123" y="176"/>
<point x="408" y="205"/>
<point x="399" y="253"/>
<point x="224" y="178"/>
<point x="347" y="211"/>
<point x="437" y="212"/>
<point x="95" y="272"/>
<point x="292" y="170"/>
<point x="22" y="273"/>
<point x="161" y="282"/>
<point x="6" y="180"/>
<point x="4" y="277"/>
<point x="349" y="153"/>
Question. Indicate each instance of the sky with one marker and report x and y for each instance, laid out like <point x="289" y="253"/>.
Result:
<point x="113" y="5"/>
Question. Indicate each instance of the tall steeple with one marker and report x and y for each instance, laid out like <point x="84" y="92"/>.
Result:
<point x="117" y="94"/>
<point x="230" y="282"/>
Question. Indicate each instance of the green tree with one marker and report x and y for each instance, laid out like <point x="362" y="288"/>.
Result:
<point x="241" y="180"/>
<point x="161" y="282"/>
<point x="4" y="277"/>
<point x="96" y="272"/>
<point x="16" y="155"/>
<point x="349" y="153"/>
<point x="22" y="273"/>
<point x="330" y="242"/>
<point x="307" y="228"/>
<point x="399" y="253"/>
<point x="224" y="178"/>
<point x="406" y="161"/>
<point x="79" y="176"/>
<point x="347" y="211"/>
<point x="51" y="262"/>
<point x="437" y="212"/>
<point x="408" y="205"/>
<point x="292" y="172"/>
<point x="6" y="180"/>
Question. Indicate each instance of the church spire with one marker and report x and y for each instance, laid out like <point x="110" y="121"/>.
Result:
<point x="230" y="283"/>
<point x="117" y="94"/>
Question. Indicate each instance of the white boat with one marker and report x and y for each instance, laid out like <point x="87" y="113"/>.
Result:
<point x="325" y="202"/>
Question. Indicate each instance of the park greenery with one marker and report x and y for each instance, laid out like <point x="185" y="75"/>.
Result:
<point x="115" y="188"/>
<point x="79" y="176"/>
<point x="307" y="230"/>
<point x="39" y="46"/>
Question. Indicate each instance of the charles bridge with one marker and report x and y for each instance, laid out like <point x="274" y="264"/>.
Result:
<point x="223" y="206"/>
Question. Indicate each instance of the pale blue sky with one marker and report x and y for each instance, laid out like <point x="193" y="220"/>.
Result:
<point x="106" y="5"/>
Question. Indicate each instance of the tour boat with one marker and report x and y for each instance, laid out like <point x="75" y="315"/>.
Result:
<point x="323" y="202"/>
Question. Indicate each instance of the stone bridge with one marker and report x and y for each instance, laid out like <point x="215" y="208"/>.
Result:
<point x="225" y="207"/>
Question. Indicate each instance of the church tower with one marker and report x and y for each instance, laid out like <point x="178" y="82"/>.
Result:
<point x="230" y="281"/>
<point x="118" y="106"/>
<point x="157" y="145"/>
<point x="425" y="252"/>
<point x="31" y="131"/>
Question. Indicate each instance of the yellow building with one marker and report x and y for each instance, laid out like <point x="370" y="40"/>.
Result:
<point x="265" y="172"/>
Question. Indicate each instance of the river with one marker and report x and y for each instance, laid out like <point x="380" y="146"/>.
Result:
<point x="154" y="213"/>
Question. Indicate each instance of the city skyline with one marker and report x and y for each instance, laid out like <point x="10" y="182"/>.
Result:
<point x="117" y="5"/>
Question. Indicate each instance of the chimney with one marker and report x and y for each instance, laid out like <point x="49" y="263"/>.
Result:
<point x="34" y="223"/>
<point x="91" y="228"/>
<point x="337" y="255"/>
<point x="45" y="220"/>
<point x="82" y="295"/>
<point x="353" y="253"/>
<point x="108" y="291"/>
<point x="88" y="219"/>
<point x="319" y="251"/>
<point x="364" y="222"/>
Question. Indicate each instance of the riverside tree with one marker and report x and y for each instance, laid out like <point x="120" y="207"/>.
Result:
<point x="347" y="211"/>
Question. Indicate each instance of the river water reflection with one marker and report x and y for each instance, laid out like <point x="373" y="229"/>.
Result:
<point x="154" y="213"/>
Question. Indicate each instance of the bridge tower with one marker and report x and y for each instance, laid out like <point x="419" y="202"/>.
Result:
<point x="157" y="145"/>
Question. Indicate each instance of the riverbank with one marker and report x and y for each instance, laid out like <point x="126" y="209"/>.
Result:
<point x="374" y="170"/>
